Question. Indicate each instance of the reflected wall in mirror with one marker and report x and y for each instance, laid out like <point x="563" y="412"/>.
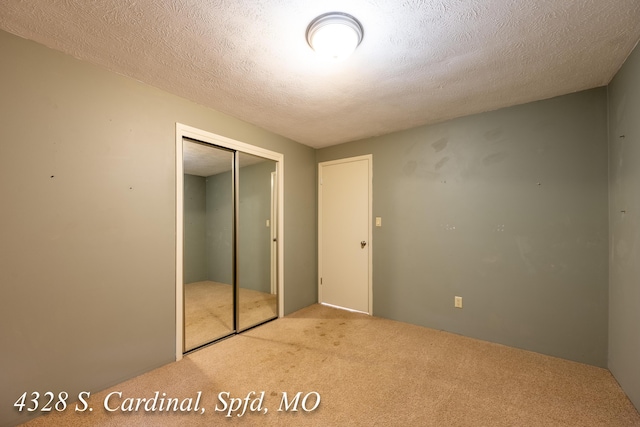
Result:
<point x="257" y="296"/>
<point x="208" y="279"/>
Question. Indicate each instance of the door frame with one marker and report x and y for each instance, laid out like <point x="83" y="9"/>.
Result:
<point x="321" y="165"/>
<point x="274" y="233"/>
<point x="184" y="131"/>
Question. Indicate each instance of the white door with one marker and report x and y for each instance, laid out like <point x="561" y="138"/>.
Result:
<point x="344" y="235"/>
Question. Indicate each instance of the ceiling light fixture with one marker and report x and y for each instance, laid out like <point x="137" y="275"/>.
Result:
<point x="334" y="35"/>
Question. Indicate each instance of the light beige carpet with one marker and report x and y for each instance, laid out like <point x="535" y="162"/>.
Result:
<point x="208" y="311"/>
<point x="371" y="372"/>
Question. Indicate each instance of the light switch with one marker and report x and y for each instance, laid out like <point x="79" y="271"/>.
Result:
<point x="378" y="221"/>
<point x="268" y="223"/>
<point x="457" y="302"/>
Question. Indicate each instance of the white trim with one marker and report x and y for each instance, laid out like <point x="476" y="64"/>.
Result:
<point x="369" y="158"/>
<point x="179" y="247"/>
<point x="273" y="235"/>
<point x="211" y="138"/>
<point x="343" y="308"/>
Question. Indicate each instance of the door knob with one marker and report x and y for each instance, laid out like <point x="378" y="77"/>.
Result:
<point x="363" y="244"/>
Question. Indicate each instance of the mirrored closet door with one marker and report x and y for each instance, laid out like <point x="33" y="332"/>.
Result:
<point x="229" y="238"/>
<point x="257" y="299"/>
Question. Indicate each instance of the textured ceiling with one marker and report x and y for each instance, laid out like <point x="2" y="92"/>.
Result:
<point x="421" y="61"/>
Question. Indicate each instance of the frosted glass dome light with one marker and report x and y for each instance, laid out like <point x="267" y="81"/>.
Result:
<point x="334" y="35"/>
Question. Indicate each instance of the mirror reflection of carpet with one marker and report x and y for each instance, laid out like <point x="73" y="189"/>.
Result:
<point x="209" y="312"/>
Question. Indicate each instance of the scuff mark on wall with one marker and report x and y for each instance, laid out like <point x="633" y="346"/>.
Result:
<point x="525" y="250"/>
<point x="410" y="167"/>
<point x="493" y="134"/>
<point x="494" y="158"/>
<point x="440" y="144"/>
<point x="441" y="163"/>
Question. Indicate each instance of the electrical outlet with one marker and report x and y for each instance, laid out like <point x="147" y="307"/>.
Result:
<point x="457" y="302"/>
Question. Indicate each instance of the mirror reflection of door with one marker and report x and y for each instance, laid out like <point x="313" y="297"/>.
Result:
<point x="229" y="247"/>
<point x="208" y="244"/>
<point x="257" y="299"/>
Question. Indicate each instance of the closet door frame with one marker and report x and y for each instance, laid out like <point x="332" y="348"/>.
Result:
<point x="184" y="131"/>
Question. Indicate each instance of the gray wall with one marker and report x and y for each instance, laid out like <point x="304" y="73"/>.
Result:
<point x="254" y="263"/>
<point x="624" y="227"/>
<point x="195" y="259"/>
<point x="254" y="259"/>
<point x="88" y="229"/>
<point x="219" y="228"/>
<point x="507" y="209"/>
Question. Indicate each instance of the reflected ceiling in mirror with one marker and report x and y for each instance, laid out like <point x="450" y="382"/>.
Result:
<point x="200" y="160"/>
